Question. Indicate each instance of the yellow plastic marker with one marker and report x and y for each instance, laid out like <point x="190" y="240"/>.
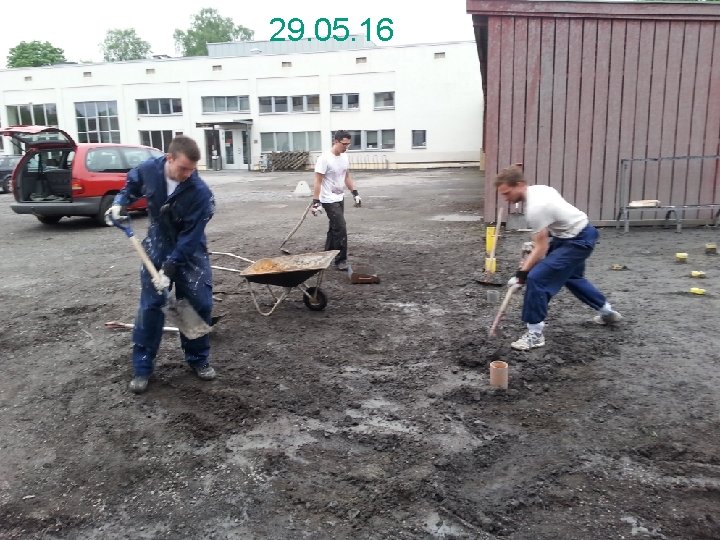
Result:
<point x="697" y="273"/>
<point x="681" y="257"/>
<point x="711" y="248"/>
<point x="697" y="290"/>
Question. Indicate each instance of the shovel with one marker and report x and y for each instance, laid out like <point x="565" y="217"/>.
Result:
<point x="188" y="321"/>
<point x="488" y="277"/>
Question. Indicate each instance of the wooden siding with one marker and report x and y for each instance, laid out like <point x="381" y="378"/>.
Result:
<point x="572" y="93"/>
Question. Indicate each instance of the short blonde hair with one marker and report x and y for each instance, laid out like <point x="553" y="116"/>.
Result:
<point x="510" y="175"/>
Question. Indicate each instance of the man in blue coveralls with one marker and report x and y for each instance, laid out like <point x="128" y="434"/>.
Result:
<point x="563" y="239"/>
<point x="180" y="205"/>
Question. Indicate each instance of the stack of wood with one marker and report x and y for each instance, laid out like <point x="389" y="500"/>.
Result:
<point x="288" y="161"/>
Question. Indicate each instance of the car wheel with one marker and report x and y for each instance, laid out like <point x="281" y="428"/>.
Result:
<point x="48" y="220"/>
<point x="6" y="184"/>
<point x="106" y="203"/>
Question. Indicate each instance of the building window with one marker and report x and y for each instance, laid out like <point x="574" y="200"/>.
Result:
<point x="297" y="141"/>
<point x="344" y="102"/>
<point x="384" y="100"/>
<point x="28" y="78"/>
<point x="87" y="73"/>
<point x="287" y="64"/>
<point x="217" y="67"/>
<point x="283" y="104"/>
<point x="156" y="139"/>
<point x="221" y="104"/>
<point x="361" y="60"/>
<point x="150" y="71"/>
<point x="41" y="114"/>
<point x="374" y="139"/>
<point x="97" y="121"/>
<point x="159" y="107"/>
<point x="439" y="55"/>
<point x="419" y="138"/>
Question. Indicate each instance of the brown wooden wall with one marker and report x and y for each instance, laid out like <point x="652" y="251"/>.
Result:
<point x="570" y="94"/>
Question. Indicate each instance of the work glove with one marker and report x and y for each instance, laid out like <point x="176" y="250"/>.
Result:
<point x="117" y="213"/>
<point x="358" y="200"/>
<point x="316" y="207"/>
<point x="162" y="282"/>
<point x="169" y="269"/>
<point x="518" y="279"/>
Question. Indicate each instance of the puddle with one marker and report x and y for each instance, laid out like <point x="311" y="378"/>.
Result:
<point x="456" y="217"/>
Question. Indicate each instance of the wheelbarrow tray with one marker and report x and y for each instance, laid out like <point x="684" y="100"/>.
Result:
<point x="288" y="270"/>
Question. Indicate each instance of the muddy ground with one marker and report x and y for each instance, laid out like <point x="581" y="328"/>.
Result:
<point x="371" y="419"/>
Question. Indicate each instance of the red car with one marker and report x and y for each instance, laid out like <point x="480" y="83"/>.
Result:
<point x="58" y="177"/>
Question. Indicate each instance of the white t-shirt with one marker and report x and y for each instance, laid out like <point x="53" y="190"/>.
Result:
<point x="171" y="185"/>
<point x="545" y="208"/>
<point x="334" y="170"/>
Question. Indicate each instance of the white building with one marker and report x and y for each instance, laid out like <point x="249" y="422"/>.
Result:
<point x="406" y="106"/>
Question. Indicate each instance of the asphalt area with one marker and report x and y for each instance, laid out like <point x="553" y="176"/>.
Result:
<point x="373" y="418"/>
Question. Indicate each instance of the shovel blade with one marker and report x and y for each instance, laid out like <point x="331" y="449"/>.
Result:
<point x="188" y="321"/>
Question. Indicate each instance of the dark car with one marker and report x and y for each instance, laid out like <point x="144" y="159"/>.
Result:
<point x="7" y="165"/>
<point x="58" y="177"/>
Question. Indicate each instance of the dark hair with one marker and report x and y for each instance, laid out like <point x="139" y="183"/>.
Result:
<point x="341" y="134"/>
<point x="510" y="175"/>
<point x="182" y="144"/>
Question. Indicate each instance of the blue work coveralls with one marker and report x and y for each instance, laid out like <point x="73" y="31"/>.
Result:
<point x="177" y="233"/>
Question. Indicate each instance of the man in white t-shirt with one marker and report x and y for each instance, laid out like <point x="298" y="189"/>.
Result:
<point x="332" y="176"/>
<point x="563" y="239"/>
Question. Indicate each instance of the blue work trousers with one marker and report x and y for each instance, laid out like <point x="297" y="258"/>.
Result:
<point x="564" y="264"/>
<point x="194" y="282"/>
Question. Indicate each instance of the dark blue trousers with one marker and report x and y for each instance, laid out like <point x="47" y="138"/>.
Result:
<point x="337" y="230"/>
<point x="564" y="264"/>
<point x="194" y="282"/>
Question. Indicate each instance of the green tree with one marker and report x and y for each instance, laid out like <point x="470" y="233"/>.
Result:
<point x="120" y="45"/>
<point x="34" y="54"/>
<point x="209" y="27"/>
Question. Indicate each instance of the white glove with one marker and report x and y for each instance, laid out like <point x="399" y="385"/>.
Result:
<point x="514" y="281"/>
<point x="358" y="201"/>
<point x="161" y="283"/>
<point x="116" y="213"/>
<point x="316" y="208"/>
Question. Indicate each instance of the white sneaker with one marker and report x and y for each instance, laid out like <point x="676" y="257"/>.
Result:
<point x="608" y="318"/>
<point x="529" y="340"/>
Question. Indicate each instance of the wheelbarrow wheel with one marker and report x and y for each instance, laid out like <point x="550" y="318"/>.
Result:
<point x="317" y="303"/>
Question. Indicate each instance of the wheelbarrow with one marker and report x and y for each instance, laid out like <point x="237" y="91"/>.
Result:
<point x="286" y="272"/>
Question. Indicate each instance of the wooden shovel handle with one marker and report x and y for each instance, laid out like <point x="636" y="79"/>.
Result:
<point x="502" y="309"/>
<point x="144" y="257"/>
<point x="497" y="232"/>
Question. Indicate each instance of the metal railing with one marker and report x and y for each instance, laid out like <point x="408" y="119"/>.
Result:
<point x="685" y="186"/>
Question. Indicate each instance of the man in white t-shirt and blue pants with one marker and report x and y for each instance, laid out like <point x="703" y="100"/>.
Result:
<point x="332" y="176"/>
<point x="563" y="239"/>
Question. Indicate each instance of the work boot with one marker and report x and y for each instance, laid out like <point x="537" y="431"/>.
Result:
<point x="611" y="317"/>
<point x="529" y="340"/>
<point x="206" y="372"/>
<point x="342" y="266"/>
<point x="138" y="385"/>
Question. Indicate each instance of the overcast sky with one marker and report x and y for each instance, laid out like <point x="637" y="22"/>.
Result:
<point x="79" y="27"/>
